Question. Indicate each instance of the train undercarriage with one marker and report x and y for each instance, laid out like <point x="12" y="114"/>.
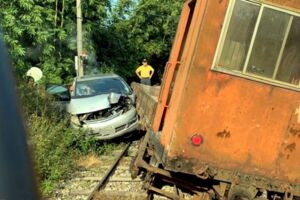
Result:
<point x="204" y="186"/>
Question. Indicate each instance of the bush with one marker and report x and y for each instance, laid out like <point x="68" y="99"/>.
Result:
<point x="50" y="138"/>
<point x="53" y="153"/>
<point x="55" y="145"/>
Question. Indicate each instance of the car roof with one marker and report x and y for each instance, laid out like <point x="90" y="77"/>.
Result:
<point x="96" y="76"/>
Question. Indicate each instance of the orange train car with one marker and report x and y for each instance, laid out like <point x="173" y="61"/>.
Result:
<point x="227" y="120"/>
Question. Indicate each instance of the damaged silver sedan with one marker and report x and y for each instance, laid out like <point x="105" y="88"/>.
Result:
<point x="103" y="105"/>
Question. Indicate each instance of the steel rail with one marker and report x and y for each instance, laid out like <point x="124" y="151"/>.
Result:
<point x="105" y="178"/>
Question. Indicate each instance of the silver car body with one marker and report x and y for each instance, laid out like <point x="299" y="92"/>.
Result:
<point x="106" y="113"/>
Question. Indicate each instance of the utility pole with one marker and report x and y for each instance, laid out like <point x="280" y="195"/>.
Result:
<point x="80" y="71"/>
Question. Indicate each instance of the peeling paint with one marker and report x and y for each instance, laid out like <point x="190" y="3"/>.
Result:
<point x="291" y="147"/>
<point x="295" y="131"/>
<point x="224" y="134"/>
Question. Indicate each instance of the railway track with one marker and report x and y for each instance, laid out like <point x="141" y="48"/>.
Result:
<point x="108" y="177"/>
<point x="117" y="182"/>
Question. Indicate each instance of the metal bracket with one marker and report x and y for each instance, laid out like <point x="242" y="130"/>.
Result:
<point x="288" y="196"/>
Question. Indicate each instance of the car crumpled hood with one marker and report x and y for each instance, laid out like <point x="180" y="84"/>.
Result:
<point x="88" y="104"/>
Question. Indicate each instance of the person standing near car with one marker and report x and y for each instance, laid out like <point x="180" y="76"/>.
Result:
<point x="145" y="73"/>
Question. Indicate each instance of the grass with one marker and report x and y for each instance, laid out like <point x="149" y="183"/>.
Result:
<point x="56" y="146"/>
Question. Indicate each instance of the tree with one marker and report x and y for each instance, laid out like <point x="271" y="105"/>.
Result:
<point x="42" y="33"/>
<point x="137" y="30"/>
<point x="116" y="37"/>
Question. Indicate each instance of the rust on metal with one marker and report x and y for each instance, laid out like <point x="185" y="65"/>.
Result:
<point x="293" y="5"/>
<point x="251" y="129"/>
<point x="224" y="134"/>
<point x="169" y="177"/>
<point x="180" y="40"/>
<point x="146" y="103"/>
<point x="164" y="193"/>
<point x="253" y="119"/>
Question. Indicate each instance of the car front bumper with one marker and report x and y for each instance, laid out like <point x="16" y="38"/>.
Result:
<point x="111" y="128"/>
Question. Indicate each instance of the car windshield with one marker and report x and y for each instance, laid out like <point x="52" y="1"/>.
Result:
<point x="101" y="86"/>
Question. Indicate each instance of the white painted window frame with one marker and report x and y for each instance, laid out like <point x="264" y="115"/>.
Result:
<point x="244" y="73"/>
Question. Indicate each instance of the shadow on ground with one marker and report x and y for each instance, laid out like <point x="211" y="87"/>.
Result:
<point x="129" y="137"/>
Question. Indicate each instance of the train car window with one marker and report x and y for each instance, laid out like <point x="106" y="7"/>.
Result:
<point x="261" y="42"/>
<point x="289" y="69"/>
<point x="268" y="43"/>
<point x="238" y="40"/>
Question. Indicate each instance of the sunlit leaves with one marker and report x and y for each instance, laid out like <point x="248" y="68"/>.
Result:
<point x="43" y="33"/>
<point x="137" y="30"/>
<point x="62" y="35"/>
<point x="116" y="34"/>
<point x="26" y="4"/>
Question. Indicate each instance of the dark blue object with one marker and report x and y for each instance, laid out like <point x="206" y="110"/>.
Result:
<point x="17" y="181"/>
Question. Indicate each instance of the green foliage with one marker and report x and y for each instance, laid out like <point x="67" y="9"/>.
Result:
<point x="116" y="38"/>
<point x="55" y="145"/>
<point x="50" y="138"/>
<point x="43" y="34"/>
<point x="53" y="153"/>
<point x="137" y="30"/>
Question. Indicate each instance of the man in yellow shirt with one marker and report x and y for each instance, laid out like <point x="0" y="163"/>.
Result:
<point x="145" y="73"/>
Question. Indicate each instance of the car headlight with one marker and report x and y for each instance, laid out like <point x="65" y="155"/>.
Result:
<point x="75" y="120"/>
<point x="128" y="101"/>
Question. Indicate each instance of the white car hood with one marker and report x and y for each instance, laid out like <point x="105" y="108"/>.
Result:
<point x="88" y="104"/>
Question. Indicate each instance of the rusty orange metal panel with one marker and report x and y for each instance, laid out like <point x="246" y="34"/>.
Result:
<point x="289" y="154"/>
<point x="288" y="4"/>
<point x="170" y="67"/>
<point x="247" y="126"/>
<point x="179" y="87"/>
